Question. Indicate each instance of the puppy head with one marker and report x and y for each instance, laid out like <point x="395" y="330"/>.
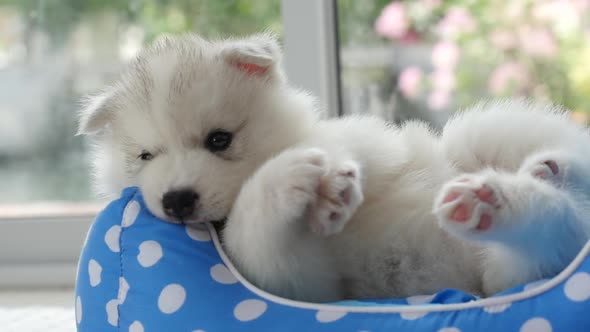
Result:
<point x="190" y="120"/>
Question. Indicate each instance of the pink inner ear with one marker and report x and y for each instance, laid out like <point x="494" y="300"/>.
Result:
<point x="251" y="68"/>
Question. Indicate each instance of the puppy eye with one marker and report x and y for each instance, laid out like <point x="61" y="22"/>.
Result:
<point x="218" y="140"/>
<point x="145" y="155"/>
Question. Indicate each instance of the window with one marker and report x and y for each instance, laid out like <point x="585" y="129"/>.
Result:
<point x="427" y="58"/>
<point x="53" y="52"/>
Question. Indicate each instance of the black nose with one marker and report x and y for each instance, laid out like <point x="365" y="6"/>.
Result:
<point x="179" y="203"/>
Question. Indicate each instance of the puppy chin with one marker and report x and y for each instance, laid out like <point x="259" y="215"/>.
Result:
<point x="202" y="218"/>
<point x="195" y="220"/>
<point x="166" y="218"/>
<point x="162" y="216"/>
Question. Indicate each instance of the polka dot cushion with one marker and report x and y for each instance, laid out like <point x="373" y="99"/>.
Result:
<point x="139" y="274"/>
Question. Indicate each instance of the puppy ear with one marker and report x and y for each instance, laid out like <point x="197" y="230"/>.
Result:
<point x="96" y="113"/>
<point x="256" y="55"/>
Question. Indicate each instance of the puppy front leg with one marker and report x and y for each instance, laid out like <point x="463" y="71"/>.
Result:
<point x="268" y="231"/>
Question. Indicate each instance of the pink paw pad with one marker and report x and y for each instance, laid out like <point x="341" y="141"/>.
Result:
<point x="461" y="213"/>
<point x="543" y="173"/>
<point x="451" y="197"/>
<point x="486" y="194"/>
<point x="335" y="216"/>
<point x="485" y="222"/>
<point x="464" y="210"/>
<point x="339" y="195"/>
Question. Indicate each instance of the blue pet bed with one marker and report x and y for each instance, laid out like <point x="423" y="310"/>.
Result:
<point x="139" y="274"/>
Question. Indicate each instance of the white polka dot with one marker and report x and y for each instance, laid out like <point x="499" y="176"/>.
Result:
<point x="78" y="309"/>
<point x="536" y="324"/>
<point x="420" y="299"/>
<point x="198" y="234"/>
<point x="150" y="253"/>
<point x="136" y="327"/>
<point x="123" y="289"/>
<point x="535" y="284"/>
<point x="171" y="298"/>
<point x="249" y="310"/>
<point x="449" y="329"/>
<point x="222" y="275"/>
<point x="494" y="309"/>
<point x="113" y="312"/>
<point x="577" y="288"/>
<point x="130" y="213"/>
<point x="413" y="315"/>
<point x="329" y="316"/>
<point x="111" y="238"/>
<point x="94" y="272"/>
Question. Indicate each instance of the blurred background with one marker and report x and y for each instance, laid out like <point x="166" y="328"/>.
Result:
<point x="423" y="59"/>
<point x="52" y="52"/>
<point x="399" y="59"/>
<point x="429" y="58"/>
<point x="402" y="59"/>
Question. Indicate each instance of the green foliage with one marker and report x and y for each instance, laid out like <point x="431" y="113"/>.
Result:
<point x="356" y="20"/>
<point x="211" y="18"/>
<point x="208" y="18"/>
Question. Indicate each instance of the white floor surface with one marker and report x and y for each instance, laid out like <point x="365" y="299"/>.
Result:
<point x="37" y="311"/>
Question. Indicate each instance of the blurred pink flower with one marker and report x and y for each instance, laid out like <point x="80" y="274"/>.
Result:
<point x="438" y="100"/>
<point x="456" y="21"/>
<point x="503" y="39"/>
<point x="537" y="41"/>
<point x="445" y="54"/>
<point x="508" y="75"/>
<point x="393" y="22"/>
<point x="443" y="79"/>
<point x="409" y="82"/>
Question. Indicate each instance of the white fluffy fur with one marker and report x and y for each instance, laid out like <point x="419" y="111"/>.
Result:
<point x="322" y="210"/>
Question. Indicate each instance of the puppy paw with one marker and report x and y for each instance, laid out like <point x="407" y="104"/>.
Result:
<point x="546" y="167"/>
<point x="468" y="204"/>
<point x="304" y="185"/>
<point x="299" y="181"/>
<point x="339" y="195"/>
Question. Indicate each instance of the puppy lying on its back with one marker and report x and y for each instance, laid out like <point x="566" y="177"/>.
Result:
<point x="322" y="210"/>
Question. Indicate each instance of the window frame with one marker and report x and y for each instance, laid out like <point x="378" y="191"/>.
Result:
<point x="311" y="50"/>
<point x="41" y="252"/>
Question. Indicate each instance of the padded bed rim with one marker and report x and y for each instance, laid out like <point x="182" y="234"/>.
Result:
<point x="422" y="308"/>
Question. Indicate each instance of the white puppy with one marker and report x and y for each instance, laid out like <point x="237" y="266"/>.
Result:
<point x="323" y="210"/>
